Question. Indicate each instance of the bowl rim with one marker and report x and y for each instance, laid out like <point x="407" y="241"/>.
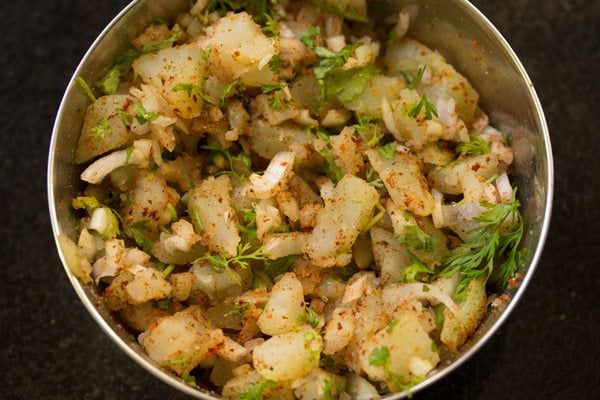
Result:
<point x="438" y="375"/>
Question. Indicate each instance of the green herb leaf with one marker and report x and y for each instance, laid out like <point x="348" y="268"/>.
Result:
<point x="109" y="83"/>
<point x="125" y="117"/>
<point x="310" y="317"/>
<point x="349" y="15"/>
<point x="279" y="266"/>
<point x="220" y="262"/>
<point x="391" y="325"/>
<point x="140" y="232"/>
<point x="430" y="109"/>
<point x="101" y="129"/>
<point x="310" y="37"/>
<point x="155" y="47"/>
<point x="413" y="83"/>
<point x="490" y="247"/>
<point x="474" y="147"/>
<point x="347" y="84"/>
<point x="85" y="87"/>
<point x="227" y="90"/>
<point x="238" y="311"/>
<point x="255" y="392"/>
<point x="388" y="150"/>
<point x="270" y="26"/>
<point x="268" y="88"/>
<point x="379" y="356"/>
<point x="331" y="169"/>
<point x="190" y="88"/>
<point x="143" y="116"/>
<point x="415" y="268"/>
<point x="275" y="64"/>
<point x="248" y="230"/>
<point x="415" y="238"/>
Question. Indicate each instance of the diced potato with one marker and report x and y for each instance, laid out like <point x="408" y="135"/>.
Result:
<point x="213" y="216"/>
<point x="184" y="171"/>
<point x="345" y="150"/>
<point x="267" y="140"/>
<point x="242" y="383"/>
<point x="182" y="341"/>
<point x="181" y="285"/>
<point x="458" y="327"/>
<point x="360" y="389"/>
<point x="378" y="88"/>
<point x="404" y="181"/>
<point x="179" y="74"/>
<point x="408" y="55"/>
<point x="468" y="176"/>
<point x="390" y="256"/>
<point x="275" y="178"/>
<point x="411" y="351"/>
<point x="279" y="245"/>
<point x="150" y="197"/>
<point x="338" y="330"/>
<point x="240" y="50"/>
<point x="147" y="285"/>
<point x="318" y="385"/>
<point x="288" y="205"/>
<point x="285" y="306"/>
<point x="288" y="356"/>
<point x="103" y="130"/>
<point x="338" y="225"/>
<point x="75" y="259"/>
<point x="231" y="350"/>
<point x="267" y="217"/>
<point x="433" y="153"/>
<point x="115" y="294"/>
<point x="140" y="317"/>
<point x="218" y="285"/>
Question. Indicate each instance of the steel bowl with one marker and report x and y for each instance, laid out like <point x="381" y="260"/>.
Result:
<point x="453" y="27"/>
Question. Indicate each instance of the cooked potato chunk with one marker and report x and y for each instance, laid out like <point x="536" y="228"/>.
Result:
<point x="285" y="307"/>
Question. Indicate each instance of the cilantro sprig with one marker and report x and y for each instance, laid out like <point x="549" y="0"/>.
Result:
<point x="474" y="147"/>
<point x="415" y="238"/>
<point x="491" y="248"/>
<point x="220" y="262"/>
<point x="430" y="110"/>
<point x="255" y="392"/>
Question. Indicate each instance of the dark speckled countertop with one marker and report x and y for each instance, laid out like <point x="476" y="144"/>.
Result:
<point x="52" y="349"/>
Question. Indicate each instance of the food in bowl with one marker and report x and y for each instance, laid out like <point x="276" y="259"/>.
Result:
<point x="288" y="201"/>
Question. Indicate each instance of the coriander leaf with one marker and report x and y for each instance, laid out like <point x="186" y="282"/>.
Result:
<point x="275" y="64"/>
<point x="238" y="311"/>
<point x="143" y="116"/>
<point x="391" y="325"/>
<point x="189" y="380"/>
<point x="227" y="90"/>
<point x="379" y="356"/>
<point x="349" y="15"/>
<point x="85" y="87"/>
<point x="415" y="238"/>
<point x="87" y="203"/>
<point x="101" y="129"/>
<point x="413" y="83"/>
<point x="268" y="88"/>
<point x="109" y="83"/>
<point x="248" y="230"/>
<point x="388" y="150"/>
<point x="270" y="26"/>
<point x="474" y="147"/>
<point x="255" y="392"/>
<point x="279" y="266"/>
<point x="154" y="47"/>
<point x="415" y="268"/>
<point x="190" y="88"/>
<point x="371" y="180"/>
<point x="347" y="84"/>
<point x="140" y="232"/>
<point x="331" y="169"/>
<point x="310" y="37"/>
<point x="483" y="252"/>
<point x="430" y="109"/>
<point x="310" y="317"/>
<point x="221" y="263"/>
<point x="125" y="118"/>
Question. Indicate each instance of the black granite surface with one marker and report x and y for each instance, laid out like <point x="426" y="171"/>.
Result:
<point x="50" y="348"/>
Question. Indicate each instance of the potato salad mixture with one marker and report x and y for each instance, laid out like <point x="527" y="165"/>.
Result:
<point x="285" y="200"/>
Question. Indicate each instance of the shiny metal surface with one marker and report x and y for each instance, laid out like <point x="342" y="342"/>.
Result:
<point x="457" y="30"/>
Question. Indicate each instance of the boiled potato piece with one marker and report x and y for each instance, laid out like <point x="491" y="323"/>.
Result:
<point x="409" y="55"/>
<point x="458" y="327"/>
<point x="404" y="181"/>
<point x="147" y="285"/>
<point x="285" y="307"/>
<point x="240" y="50"/>
<point x="103" y="129"/>
<point x="212" y="214"/>
<point x="338" y="225"/>
<point x="288" y="356"/>
<point x="179" y="74"/>
<point x="378" y="88"/>
<point x="410" y="351"/>
<point x="182" y="341"/>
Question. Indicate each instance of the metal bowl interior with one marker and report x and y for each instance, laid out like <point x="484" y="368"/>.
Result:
<point x="453" y="27"/>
